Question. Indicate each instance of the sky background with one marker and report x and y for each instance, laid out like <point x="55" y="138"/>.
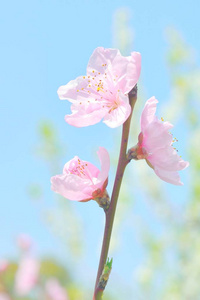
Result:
<point x="45" y="44"/>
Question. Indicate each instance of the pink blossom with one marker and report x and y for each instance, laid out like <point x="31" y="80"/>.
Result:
<point x="24" y="242"/>
<point x="81" y="180"/>
<point x="55" y="291"/>
<point x="155" y="144"/>
<point x="103" y="92"/>
<point x="27" y="275"/>
<point x="3" y="265"/>
<point x="4" y="296"/>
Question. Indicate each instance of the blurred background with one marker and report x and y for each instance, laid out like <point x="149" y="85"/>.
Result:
<point x="50" y="246"/>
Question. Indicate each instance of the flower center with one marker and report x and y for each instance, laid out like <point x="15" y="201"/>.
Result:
<point x="80" y="168"/>
<point x="101" y="87"/>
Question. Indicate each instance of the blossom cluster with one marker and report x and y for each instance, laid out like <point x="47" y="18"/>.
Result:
<point x="103" y="93"/>
<point x="27" y="279"/>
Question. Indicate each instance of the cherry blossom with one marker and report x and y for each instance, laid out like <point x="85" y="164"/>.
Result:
<point x="26" y="275"/>
<point x="81" y="180"/>
<point x="55" y="291"/>
<point x="3" y="265"/>
<point x="24" y="242"/>
<point x="103" y="92"/>
<point x="4" y="296"/>
<point x="155" y="144"/>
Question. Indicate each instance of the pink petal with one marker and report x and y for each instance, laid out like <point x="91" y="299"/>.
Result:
<point x="4" y="296"/>
<point x="27" y="275"/>
<point x="168" y="159"/>
<point x="124" y="70"/>
<point x="136" y="58"/>
<point x="171" y="177"/>
<point x="83" y="118"/>
<point x="55" y="291"/>
<point x="148" y="113"/>
<point x="99" y="58"/>
<point x="70" y="90"/>
<point x="3" y="265"/>
<point x="71" y="187"/>
<point x="127" y="70"/>
<point x="70" y="165"/>
<point x="94" y="95"/>
<point x="105" y="165"/>
<point x="80" y="178"/>
<point x="119" y="115"/>
<point x="156" y="135"/>
<point x="24" y="242"/>
<point x="156" y="141"/>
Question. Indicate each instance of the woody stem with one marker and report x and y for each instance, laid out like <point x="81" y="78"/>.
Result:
<point x="110" y="213"/>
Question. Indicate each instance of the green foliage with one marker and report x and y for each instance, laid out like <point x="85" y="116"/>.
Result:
<point x="35" y="191"/>
<point x="9" y="275"/>
<point x="50" y="268"/>
<point x="50" y="148"/>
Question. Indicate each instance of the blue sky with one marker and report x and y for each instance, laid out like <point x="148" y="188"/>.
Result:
<point x="44" y="44"/>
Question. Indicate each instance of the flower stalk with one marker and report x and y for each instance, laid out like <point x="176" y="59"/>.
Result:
<point x="110" y="213"/>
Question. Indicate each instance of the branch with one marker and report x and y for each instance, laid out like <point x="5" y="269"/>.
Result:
<point x="110" y="213"/>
